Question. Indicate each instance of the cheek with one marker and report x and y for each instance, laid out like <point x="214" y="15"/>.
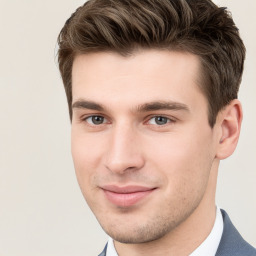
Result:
<point x="183" y="160"/>
<point x="86" y="154"/>
<point x="174" y="152"/>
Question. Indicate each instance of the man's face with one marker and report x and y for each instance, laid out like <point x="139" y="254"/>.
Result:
<point x="141" y="143"/>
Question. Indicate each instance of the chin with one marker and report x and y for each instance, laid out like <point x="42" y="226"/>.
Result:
<point x="137" y="233"/>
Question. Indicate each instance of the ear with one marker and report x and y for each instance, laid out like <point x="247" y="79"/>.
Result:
<point x="229" y="121"/>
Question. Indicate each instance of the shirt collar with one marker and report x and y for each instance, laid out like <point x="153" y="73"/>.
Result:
<point x="208" y="247"/>
<point x="111" y="251"/>
<point x="211" y="243"/>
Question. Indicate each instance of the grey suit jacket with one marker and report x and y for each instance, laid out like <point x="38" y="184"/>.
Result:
<point x="231" y="243"/>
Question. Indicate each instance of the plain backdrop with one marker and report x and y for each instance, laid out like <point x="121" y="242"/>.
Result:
<point x="42" y="211"/>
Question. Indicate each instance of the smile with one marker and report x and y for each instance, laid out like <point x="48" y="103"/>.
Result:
<point x="126" y="196"/>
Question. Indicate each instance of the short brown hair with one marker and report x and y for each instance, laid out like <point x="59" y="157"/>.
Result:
<point x="196" y="26"/>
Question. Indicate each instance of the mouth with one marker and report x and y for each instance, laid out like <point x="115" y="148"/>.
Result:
<point x="126" y="196"/>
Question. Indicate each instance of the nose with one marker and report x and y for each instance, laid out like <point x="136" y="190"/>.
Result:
<point x="124" y="150"/>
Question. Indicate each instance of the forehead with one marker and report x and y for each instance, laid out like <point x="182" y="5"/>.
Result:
<point x="144" y="76"/>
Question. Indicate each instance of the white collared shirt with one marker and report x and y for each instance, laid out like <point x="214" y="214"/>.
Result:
<point x="208" y="247"/>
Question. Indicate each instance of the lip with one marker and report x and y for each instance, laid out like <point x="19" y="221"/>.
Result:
<point x="126" y="196"/>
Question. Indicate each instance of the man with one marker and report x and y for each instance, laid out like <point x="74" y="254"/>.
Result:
<point x="152" y="91"/>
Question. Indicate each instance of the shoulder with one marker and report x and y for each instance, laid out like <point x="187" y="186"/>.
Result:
<point x="232" y="242"/>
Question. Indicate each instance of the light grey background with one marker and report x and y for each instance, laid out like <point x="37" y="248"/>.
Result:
<point x="42" y="211"/>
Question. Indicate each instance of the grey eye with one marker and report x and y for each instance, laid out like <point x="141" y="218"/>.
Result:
<point x="95" y="120"/>
<point x="159" y="120"/>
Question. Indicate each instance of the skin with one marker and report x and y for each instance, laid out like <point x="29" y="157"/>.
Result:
<point x="117" y="139"/>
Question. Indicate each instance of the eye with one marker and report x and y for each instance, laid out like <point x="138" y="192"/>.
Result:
<point x="159" y="120"/>
<point x="95" y="120"/>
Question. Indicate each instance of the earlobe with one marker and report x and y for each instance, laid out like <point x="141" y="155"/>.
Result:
<point x="230" y="125"/>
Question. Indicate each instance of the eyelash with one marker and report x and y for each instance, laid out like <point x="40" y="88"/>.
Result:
<point x="94" y="116"/>
<point x="168" y="120"/>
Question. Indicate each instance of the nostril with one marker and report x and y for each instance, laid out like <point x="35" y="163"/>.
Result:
<point x="128" y="164"/>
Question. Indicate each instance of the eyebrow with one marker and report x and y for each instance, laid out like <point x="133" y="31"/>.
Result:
<point x="162" y="105"/>
<point x="146" y="107"/>
<point x="87" y="105"/>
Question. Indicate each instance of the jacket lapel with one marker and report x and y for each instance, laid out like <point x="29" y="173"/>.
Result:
<point x="232" y="243"/>
<point x="104" y="252"/>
